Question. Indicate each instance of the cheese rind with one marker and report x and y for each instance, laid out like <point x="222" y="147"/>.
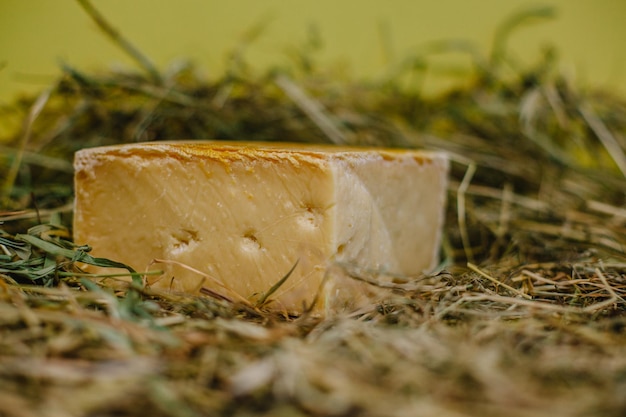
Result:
<point x="244" y="214"/>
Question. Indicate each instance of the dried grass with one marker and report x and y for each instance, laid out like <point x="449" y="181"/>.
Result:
<point x="525" y="317"/>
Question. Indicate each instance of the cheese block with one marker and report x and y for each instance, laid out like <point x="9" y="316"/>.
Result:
<point x="234" y="218"/>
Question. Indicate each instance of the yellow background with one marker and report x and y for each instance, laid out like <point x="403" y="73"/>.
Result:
<point x="35" y="35"/>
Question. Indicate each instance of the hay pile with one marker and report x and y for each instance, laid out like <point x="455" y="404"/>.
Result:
<point x="527" y="316"/>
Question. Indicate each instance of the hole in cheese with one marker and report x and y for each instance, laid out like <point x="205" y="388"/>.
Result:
<point x="311" y="216"/>
<point x="250" y="241"/>
<point x="183" y="239"/>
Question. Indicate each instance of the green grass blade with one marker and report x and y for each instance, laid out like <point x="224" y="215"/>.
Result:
<point x="276" y="286"/>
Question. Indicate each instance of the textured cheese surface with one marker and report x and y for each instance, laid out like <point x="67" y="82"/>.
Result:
<point x="244" y="214"/>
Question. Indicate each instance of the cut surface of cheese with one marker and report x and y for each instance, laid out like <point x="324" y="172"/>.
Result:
<point x="242" y="214"/>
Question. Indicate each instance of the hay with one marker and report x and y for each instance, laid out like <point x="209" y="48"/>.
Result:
<point x="525" y="316"/>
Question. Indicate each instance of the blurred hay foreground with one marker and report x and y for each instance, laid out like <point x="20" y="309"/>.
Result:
<point x="526" y="316"/>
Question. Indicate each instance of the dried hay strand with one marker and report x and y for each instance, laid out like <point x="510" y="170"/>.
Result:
<point x="525" y="316"/>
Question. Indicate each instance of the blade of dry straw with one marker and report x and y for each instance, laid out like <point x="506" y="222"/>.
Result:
<point x="605" y="136"/>
<point x="461" y="214"/>
<point x="495" y="281"/>
<point x="124" y="43"/>
<point x="34" y="111"/>
<point x="214" y="280"/>
<point x="313" y="109"/>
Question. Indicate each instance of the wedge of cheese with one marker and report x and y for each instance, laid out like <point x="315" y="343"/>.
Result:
<point x="234" y="218"/>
